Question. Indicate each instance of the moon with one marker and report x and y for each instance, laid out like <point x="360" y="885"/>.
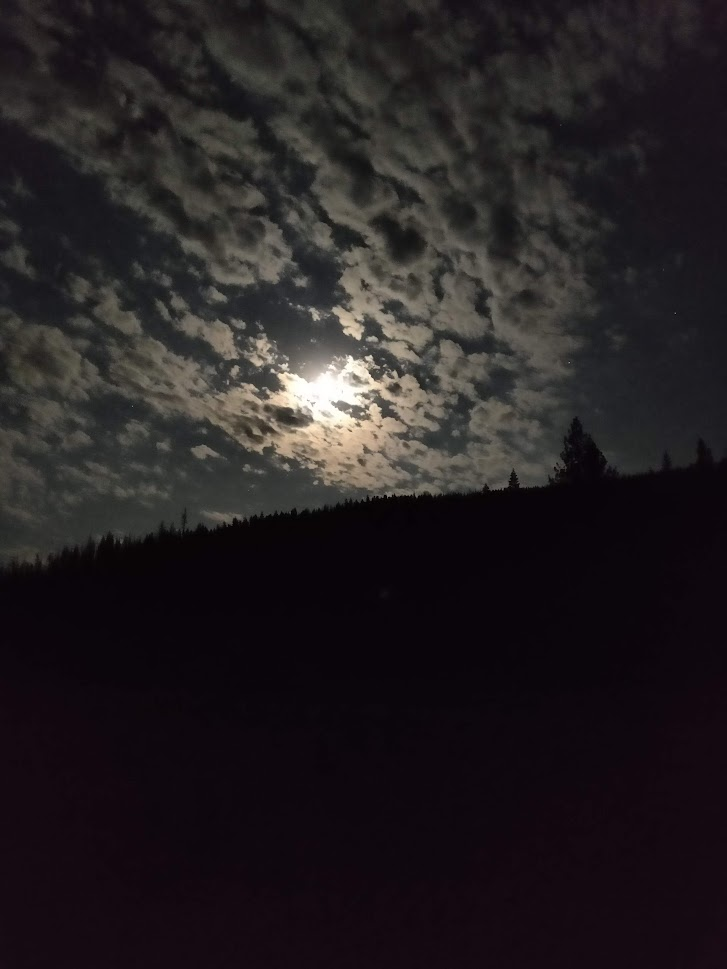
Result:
<point x="328" y="389"/>
<point x="325" y="390"/>
<point x="335" y="385"/>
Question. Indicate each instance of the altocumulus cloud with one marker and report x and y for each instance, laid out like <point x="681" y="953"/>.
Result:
<point x="351" y="241"/>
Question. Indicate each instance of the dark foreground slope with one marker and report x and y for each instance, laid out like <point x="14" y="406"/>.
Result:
<point x="621" y="579"/>
<point x="485" y="731"/>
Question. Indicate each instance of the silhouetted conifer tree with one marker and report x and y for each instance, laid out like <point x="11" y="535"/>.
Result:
<point x="666" y="462"/>
<point x="704" y="456"/>
<point x="513" y="481"/>
<point x="583" y="461"/>
<point x="105" y="549"/>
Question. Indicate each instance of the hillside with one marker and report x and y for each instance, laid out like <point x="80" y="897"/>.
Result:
<point x="623" y="578"/>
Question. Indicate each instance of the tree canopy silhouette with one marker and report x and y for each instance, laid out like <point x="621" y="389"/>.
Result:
<point x="583" y="462"/>
<point x="513" y="481"/>
<point x="704" y="455"/>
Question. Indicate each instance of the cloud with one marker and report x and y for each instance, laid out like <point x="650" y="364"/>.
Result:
<point x="170" y="384"/>
<point x="36" y="357"/>
<point x="9" y="229"/>
<point x="214" y="333"/>
<point x="155" y="153"/>
<point x="22" y="484"/>
<point x="249" y="469"/>
<point x="133" y="433"/>
<point x="13" y="254"/>
<point x="202" y="452"/>
<point x="461" y="373"/>
<point x="75" y="440"/>
<point x="16" y="257"/>
<point x="260" y="351"/>
<point x="349" y="324"/>
<point x="151" y="274"/>
<point x="213" y="295"/>
<point x="91" y="478"/>
<point x="78" y="288"/>
<point x="221" y="517"/>
<point x="163" y="311"/>
<point x="108" y="311"/>
<point x="411" y="404"/>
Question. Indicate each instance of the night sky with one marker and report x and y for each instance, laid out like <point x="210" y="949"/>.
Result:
<point x="265" y="255"/>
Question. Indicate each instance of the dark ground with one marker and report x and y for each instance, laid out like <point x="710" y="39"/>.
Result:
<point x="515" y="755"/>
<point x="148" y="828"/>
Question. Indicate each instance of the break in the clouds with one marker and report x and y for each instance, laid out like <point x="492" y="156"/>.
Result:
<point x="354" y="247"/>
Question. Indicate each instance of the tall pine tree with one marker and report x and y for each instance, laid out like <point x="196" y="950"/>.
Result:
<point x="583" y="461"/>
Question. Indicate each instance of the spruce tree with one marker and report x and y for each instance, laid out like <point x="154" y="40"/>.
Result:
<point x="514" y="481"/>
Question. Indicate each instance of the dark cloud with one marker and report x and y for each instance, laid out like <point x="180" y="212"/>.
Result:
<point x="15" y="56"/>
<point x="506" y="231"/>
<point x="289" y="417"/>
<point x="460" y="213"/>
<point x="404" y="244"/>
<point x="528" y="298"/>
<point x="361" y="173"/>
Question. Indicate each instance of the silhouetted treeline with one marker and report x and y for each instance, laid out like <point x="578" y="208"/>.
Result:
<point x="582" y="464"/>
<point x="536" y="581"/>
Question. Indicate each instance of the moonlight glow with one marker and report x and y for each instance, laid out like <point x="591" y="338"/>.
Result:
<point x="326" y="391"/>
